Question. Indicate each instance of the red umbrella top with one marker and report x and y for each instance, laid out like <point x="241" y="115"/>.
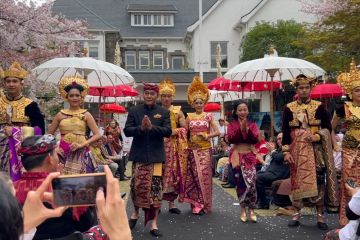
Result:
<point x="327" y="90"/>
<point x="222" y="84"/>
<point x="212" y="107"/>
<point x="117" y="91"/>
<point x="112" y="108"/>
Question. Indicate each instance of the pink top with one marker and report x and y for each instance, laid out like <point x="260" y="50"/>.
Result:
<point x="199" y="124"/>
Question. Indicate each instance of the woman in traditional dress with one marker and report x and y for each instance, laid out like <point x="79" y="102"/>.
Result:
<point x="350" y="111"/>
<point x="73" y="123"/>
<point x="202" y="127"/>
<point x="114" y="130"/>
<point x="244" y="134"/>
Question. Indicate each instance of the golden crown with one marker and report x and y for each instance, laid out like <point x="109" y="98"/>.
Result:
<point x="167" y="87"/>
<point x="351" y="80"/>
<point x="198" y="90"/>
<point x="302" y="79"/>
<point x="75" y="80"/>
<point x="16" y="71"/>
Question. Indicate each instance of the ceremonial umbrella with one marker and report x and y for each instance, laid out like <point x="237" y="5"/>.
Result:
<point x="114" y="91"/>
<point x="222" y="84"/>
<point x="112" y="108"/>
<point x="272" y="67"/>
<point x="97" y="72"/>
<point x="212" y="107"/>
<point x="327" y="90"/>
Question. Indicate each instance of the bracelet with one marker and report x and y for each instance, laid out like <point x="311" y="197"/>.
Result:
<point x="285" y="148"/>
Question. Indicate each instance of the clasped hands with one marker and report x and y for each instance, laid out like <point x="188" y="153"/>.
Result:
<point x="146" y="123"/>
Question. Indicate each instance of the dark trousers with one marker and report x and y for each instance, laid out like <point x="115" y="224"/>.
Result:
<point x="231" y="178"/>
<point x="121" y="169"/>
<point x="263" y="180"/>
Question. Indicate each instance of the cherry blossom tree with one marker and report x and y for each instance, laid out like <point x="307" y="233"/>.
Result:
<point x="324" y="8"/>
<point x="32" y="33"/>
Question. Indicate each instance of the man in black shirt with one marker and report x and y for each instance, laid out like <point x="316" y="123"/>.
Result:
<point x="148" y="124"/>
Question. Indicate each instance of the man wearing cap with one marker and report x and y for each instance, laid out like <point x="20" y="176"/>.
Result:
<point x="175" y="147"/>
<point x="148" y="124"/>
<point x="307" y="149"/>
<point x="19" y="117"/>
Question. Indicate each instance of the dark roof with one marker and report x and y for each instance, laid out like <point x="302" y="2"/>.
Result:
<point x="113" y="15"/>
<point x="176" y="76"/>
<point x="151" y="8"/>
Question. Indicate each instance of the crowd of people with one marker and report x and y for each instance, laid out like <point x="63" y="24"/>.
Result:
<point x="173" y="158"/>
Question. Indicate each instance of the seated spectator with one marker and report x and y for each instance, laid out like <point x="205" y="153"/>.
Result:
<point x="261" y="149"/>
<point x="222" y="150"/>
<point x="350" y="231"/>
<point x="337" y="152"/>
<point x="109" y="152"/>
<point x="275" y="171"/>
<point x="99" y="158"/>
<point x="39" y="158"/>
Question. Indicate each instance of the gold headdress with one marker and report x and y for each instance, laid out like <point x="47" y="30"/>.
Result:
<point x="197" y="90"/>
<point x="351" y="80"/>
<point x="73" y="80"/>
<point x="167" y="87"/>
<point x="16" y="71"/>
<point x="302" y="79"/>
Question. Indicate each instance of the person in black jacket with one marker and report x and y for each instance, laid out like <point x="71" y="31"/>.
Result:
<point x="275" y="171"/>
<point x="148" y="124"/>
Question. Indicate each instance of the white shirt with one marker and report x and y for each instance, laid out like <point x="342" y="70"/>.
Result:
<point x="349" y="231"/>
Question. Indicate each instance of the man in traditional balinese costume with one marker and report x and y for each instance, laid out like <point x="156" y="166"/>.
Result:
<point x="148" y="124"/>
<point x="307" y="149"/>
<point x="175" y="147"/>
<point x="20" y="117"/>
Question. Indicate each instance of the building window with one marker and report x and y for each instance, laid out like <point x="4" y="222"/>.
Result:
<point x="167" y="20"/>
<point x="144" y="59"/>
<point x="158" y="60"/>
<point x="152" y="20"/>
<point x="94" y="50"/>
<point x="177" y="62"/>
<point x="147" y="20"/>
<point x="157" y="20"/>
<point x="137" y="19"/>
<point x="130" y="59"/>
<point x="223" y="54"/>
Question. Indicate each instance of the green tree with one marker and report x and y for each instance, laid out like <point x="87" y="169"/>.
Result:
<point x="332" y="42"/>
<point x="282" y="34"/>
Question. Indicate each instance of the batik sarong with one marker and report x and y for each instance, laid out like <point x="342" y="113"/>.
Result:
<point x="76" y="162"/>
<point x="245" y="177"/>
<point x="9" y="160"/>
<point x="146" y="188"/>
<point x="175" y="165"/>
<point x="198" y="180"/>
<point x="350" y="170"/>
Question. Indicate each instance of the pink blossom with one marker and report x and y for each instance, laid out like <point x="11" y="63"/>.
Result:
<point x="32" y="34"/>
<point x="324" y="8"/>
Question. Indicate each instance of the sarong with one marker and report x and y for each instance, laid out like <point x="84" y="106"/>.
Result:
<point x="332" y="235"/>
<point x="76" y="162"/>
<point x="198" y="180"/>
<point x="350" y="170"/>
<point x="175" y="165"/>
<point x="325" y="161"/>
<point x="245" y="177"/>
<point x="9" y="160"/>
<point x="146" y="189"/>
<point x="303" y="170"/>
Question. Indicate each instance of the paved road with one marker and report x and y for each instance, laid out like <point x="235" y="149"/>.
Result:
<point x="224" y="223"/>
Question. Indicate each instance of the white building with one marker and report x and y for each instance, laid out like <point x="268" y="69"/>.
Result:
<point x="161" y="38"/>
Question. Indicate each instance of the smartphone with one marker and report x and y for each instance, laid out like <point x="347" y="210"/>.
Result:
<point x="78" y="190"/>
<point x="351" y="183"/>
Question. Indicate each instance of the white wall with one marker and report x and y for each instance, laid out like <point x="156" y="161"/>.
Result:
<point x="170" y="44"/>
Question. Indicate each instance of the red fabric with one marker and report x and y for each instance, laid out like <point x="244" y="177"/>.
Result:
<point x="112" y="108"/>
<point x="222" y="84"/>
<point x="261" y="147"/>
<point x="327" y="90"/>
<point x="212" y="107"/>
<point x="236" y="136"/>
<point x="151" y="86"/>
<point x="114" y="91"/>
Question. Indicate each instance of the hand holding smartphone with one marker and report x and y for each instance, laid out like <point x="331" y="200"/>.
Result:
<point x="78" y="190"/>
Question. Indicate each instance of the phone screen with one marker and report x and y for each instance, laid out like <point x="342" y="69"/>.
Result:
<point x="77" y="190"/>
